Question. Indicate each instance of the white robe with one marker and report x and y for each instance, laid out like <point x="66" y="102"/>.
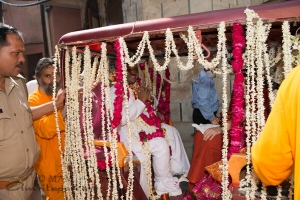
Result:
<point x="164" y="181"/>
<point x="179" y="161"/>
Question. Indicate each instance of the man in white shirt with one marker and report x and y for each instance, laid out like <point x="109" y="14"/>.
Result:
<point x="31" y="86"/>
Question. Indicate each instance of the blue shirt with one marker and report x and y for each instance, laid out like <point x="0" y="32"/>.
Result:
<point x="205" y="97"/>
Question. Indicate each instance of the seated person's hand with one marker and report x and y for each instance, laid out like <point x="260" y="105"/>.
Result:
<point x="60" y="98"/>
<point x="161" y="116"/>
<point x="210" y="133"/>
<point x="215" y="120"/>
<point x="94" y="85"/>
<point x="80" y="94"/>
<point x="143" y="93"/>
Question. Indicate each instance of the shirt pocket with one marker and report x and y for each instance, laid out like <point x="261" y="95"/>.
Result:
<point x="5" y="126"/>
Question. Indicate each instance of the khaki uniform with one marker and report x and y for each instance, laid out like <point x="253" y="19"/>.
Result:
<point x="18" y="147"/>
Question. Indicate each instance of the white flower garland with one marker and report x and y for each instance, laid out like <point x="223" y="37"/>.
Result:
<point x="225" y="192"/>
<point x="160" y="85"/>
<point x="72" y="142"/>
<point x="129" y="192"/>
<point x="287" y="48"/>
<point x="147" y="76"/>
<point x="63" y="164"/>
<point x="67" y="158"/>
<point x="154" y="82"/>
<point x="291" y="189"/>
<point x="102" y="78"/>
<point x="296" y="48"/>
<point x="192" y="44"/>
<point x="146" y="151"/>
<point x="87" y="122"/>
<point x="250" y="95"/>
<point x="257" y="58"/>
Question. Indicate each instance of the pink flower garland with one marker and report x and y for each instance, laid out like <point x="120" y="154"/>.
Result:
<point x="119" y="88"/>
<point x="102" y="163"/>
<point x="237" y="133"/>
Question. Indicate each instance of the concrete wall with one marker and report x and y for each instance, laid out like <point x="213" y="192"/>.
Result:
<point x="137" y="10"/>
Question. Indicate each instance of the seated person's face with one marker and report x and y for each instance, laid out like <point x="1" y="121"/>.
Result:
<point x="132" y="74"/>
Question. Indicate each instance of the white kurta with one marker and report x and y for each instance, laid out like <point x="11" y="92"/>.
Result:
<point x="179" y="161"/>
<point x="159" y="148"/>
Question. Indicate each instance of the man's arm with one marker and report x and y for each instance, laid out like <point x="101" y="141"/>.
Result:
<point x="44" y="109"/>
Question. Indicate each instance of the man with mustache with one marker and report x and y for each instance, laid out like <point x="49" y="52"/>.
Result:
<point x="48" y="166"/>
<point x="18" y="147"/>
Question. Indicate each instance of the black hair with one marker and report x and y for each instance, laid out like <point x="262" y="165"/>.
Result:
<point x="43" y="63"/>
<point x="7" y="29"/>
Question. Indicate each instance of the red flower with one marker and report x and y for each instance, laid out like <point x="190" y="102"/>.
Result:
<point x="143" y="136"/>
<point x="237" y="65"/>
<point x="237" y="28"/>
<point x="101" y="164"/>
<point x="119" y="88"/>
<point x="238" y="42"/>
<point x="237" y="53"/>
<point x="236" y="132"/>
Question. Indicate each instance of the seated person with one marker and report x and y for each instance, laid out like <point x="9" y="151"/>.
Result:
<point x="208" y="146"/>
<point x="205" y="98"/>
<point x="146" y="123"/>
<point x="207" y="150"/>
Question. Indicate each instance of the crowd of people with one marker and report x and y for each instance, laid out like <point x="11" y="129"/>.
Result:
<point x="29" y="142"/>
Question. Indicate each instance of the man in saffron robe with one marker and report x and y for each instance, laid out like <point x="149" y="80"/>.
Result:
<point x="158" y="146"/>
<point x="48" y="166"/>
<point x="276" y="154"/>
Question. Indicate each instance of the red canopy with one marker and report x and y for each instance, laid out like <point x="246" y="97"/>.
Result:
<point x="272" y="12"/>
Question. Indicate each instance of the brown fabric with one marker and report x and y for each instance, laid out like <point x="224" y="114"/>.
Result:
<point x="205" y="153"/>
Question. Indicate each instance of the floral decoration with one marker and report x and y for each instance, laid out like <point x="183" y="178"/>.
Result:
<point x="237" y="131"/>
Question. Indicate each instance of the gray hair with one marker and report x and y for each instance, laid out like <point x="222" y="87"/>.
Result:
<point x="43" y="63"/>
